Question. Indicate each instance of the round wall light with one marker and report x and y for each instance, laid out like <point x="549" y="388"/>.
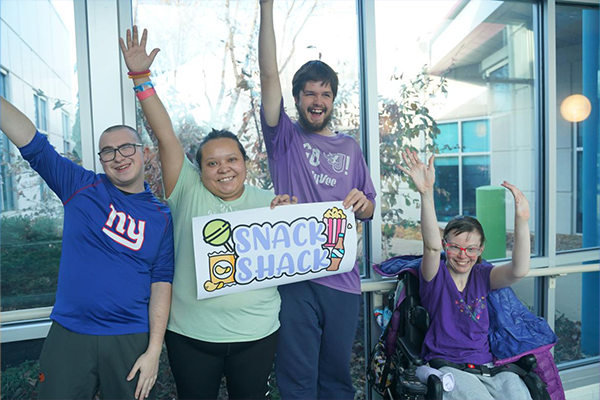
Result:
<point x="575" y="108"/>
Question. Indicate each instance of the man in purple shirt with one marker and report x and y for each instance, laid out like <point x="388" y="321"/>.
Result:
<point x="310" y="161"/>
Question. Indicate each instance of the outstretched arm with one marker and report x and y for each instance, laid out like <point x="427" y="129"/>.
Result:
<point x="423" y="176"/>
<point x="507" y="274"/>
<point x="169" y="147"/>
<point x="19" y="129"/>
<point x="267" y="61"/>
<point x="147" y="363"/>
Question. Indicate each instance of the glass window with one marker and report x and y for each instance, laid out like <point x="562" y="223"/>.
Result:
<point x="576" y="319"/>
<point x="215" y="82"/>
<point x="31" y="228"/>
<point x="447" y="200"/>
<point x="66" y="133"/>
<point x="459" y="79"/>
<point x="578" y="154"/>
<point x="475" y="173"/>
<point x="577" y="127"/>
<point x="475" y="136"/>
<point x="447" y="139"/>
<point x="41" y="113"/>
<point x="8" y="195"/>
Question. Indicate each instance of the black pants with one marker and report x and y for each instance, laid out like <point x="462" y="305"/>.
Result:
<point x="75" y="366"/>
<point x="198" y="366"/>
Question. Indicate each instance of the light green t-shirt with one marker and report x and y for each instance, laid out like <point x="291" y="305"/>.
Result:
<point x="238" y="317"/>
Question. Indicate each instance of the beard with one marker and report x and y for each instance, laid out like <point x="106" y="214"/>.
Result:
<point x="310" y="126"/>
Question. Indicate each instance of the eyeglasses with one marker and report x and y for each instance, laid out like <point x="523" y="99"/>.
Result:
<point x="126" y="150"/>
<point x="454" y="250"/>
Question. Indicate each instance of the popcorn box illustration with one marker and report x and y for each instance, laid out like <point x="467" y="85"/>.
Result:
<point x="335" y="221"/>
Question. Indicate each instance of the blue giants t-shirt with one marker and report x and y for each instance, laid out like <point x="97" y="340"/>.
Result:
<point x="459" y="322"/>
<point x="317" y="168"/>
<point x="114" y="247"/>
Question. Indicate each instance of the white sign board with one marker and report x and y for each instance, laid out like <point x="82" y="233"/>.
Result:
<point x="253" y="249"/>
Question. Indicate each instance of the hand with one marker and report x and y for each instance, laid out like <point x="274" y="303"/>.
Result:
<point x="147" y="365"/>
<point x="135" y="54"/>
<point x="521" y="203"/>
<point x="283" y="200"/>
<point x="357" y="200"/>
<point x="423" y="176"/>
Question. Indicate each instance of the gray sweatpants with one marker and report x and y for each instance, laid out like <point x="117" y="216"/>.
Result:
<point x="503" y="386"/>
<point x="75" y="366"/>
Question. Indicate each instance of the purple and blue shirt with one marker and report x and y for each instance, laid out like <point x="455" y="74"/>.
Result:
<point x="459" y="321"/>
<point x="115" y="246"/>
<point x="317" y="168"/>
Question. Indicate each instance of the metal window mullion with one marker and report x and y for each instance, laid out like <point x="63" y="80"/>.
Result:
<point x="82" y="45"/>
<point x="574" y="171"/>
<point x="460" y="170"/>
<point x="550" y="153"/>
<point x="369" y="116"/>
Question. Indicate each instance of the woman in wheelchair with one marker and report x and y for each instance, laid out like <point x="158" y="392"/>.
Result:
<point x="454" y="291"/>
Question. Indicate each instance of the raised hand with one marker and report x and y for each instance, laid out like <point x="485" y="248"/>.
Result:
<point x="521" y="203"/>
<point x="134" y="52"/>
<point x="423" y="176"/>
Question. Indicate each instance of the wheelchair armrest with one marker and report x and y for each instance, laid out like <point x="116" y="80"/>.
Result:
<point x="435" y="389"/>
<point x="528" y="362"/>
<point x="410" y="350"/>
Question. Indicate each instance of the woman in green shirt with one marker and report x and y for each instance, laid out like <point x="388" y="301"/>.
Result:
<point x="233" y="335"/>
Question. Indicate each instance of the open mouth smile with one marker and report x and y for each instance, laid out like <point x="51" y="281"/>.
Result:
<point x="122" y="167"/>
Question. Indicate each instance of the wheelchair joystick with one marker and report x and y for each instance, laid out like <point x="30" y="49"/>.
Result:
<point x="410" y="383"/>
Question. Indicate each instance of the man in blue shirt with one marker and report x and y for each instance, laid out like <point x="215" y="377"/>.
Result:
<point x="116" y="268"/>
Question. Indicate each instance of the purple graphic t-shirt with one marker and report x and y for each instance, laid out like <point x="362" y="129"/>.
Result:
<point x="459" y="322"/>
<point x="317" y="168"/>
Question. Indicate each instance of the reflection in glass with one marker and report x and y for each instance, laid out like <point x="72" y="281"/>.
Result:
<point x="569" y="318"/>
<point x="475" y="173"/>
<point x="41" y="82"/>
<point x="447" y="139"/>
<point x="482" y="58"/>
<point x="447" y="192"/>
<point x="577" y="127"/>
<point x="475" y="136"/>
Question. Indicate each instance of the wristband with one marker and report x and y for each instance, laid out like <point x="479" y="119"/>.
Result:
<point x="138" y="76"/>
<point x="143" y="87"/>
<point x="133" y="73"/>
<point x="145" y="94"/>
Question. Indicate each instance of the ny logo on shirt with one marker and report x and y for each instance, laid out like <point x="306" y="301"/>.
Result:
<point x="133" y="238"/>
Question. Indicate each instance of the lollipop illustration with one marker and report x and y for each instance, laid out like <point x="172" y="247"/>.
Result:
<point x="217" y="233"/>
<point x="221" y="264"/>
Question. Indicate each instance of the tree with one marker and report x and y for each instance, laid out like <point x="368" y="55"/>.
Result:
<point x="231" y="92"/>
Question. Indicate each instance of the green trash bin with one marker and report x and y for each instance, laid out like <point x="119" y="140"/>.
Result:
<point x="490" y="206"/>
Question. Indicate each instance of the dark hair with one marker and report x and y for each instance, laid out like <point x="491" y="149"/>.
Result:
<point x="215" y="134"/>
<point x="127" y="127"/>
<point x="465" y="224"/>
<point x="315" y="71"/>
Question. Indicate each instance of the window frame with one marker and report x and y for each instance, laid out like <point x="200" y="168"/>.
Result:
<point x="119" y="14"/>
<point x="460" y="154"/>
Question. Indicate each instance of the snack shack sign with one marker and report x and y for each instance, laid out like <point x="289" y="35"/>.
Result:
<point x="257" y="248"/>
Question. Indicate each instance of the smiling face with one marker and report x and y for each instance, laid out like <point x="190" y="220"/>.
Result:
<point x="223" y="169"/>
<point x="126" y="173"/>
<point x="459" y="263"/>
<point x="315" y="107"/>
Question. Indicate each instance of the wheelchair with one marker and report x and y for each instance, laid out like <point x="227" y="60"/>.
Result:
<point x="413" y="324"/>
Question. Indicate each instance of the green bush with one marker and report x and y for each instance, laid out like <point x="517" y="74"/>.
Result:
<point x="20" y="382"/>
<point x="29" y="260"/>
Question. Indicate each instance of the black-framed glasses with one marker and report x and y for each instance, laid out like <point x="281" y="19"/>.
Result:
<point x="454" y="250"/>
<point x="126" y="150"/>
